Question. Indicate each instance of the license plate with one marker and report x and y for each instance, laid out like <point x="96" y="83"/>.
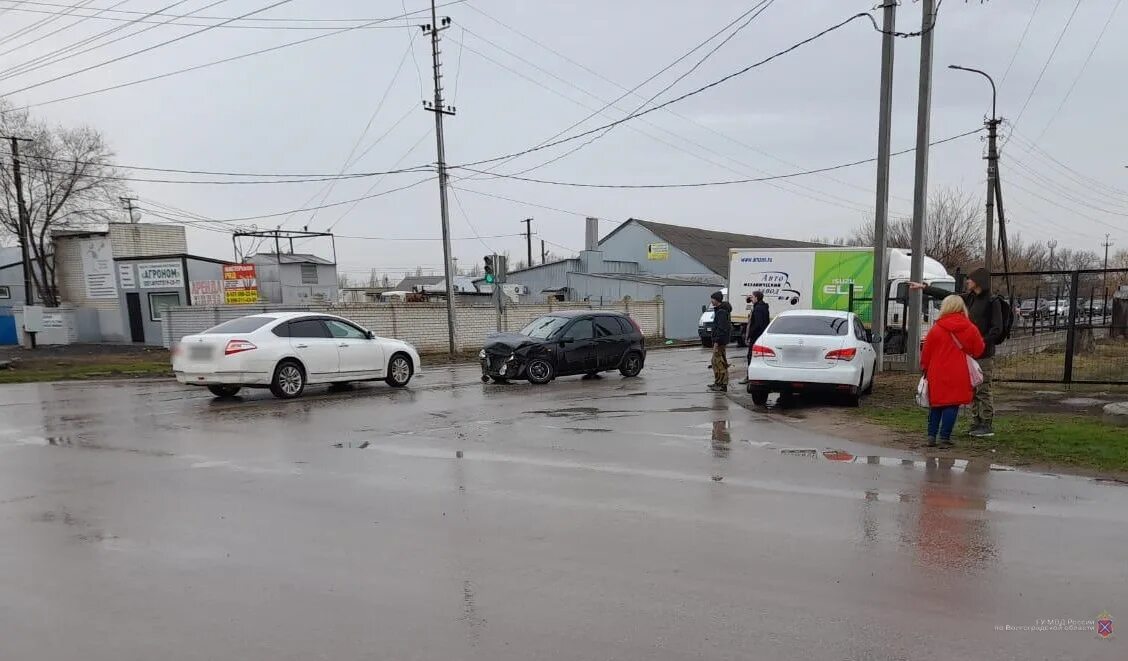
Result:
<point x="199" y="352"/>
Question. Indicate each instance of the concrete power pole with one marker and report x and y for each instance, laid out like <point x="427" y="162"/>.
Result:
<point x="881" y="215"/>
<point x="529" y="240"/>
<point x="1107" y="243"/>
<point x="920" y="188"/>
<point x="544" y="253"/>
<point x="23" y="222"/>
<point x="439" y="109"/>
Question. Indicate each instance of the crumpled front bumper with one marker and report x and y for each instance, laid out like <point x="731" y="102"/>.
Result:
<point x="504" y="366"/>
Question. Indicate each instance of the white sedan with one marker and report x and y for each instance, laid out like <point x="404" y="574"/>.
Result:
<point x="812" y="350"/>
<point x="285" y="351"/>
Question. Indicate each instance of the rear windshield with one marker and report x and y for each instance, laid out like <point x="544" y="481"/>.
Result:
<point x="544" y="327"/>
<point x="809" y="325"/>
<point x="241" y="325"/>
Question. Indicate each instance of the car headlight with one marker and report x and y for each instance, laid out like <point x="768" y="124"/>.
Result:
<point x="482" y="353"/>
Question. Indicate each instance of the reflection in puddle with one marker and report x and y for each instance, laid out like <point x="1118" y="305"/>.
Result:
<point x="721" y="439"/>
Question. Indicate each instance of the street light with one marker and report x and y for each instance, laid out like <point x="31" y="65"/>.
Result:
<point x="994" y="116"/>
<point x="992" y="174"/>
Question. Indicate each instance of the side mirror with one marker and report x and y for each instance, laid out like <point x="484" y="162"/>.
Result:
<point x="903" y="292"/>
<point x="370" y="335"/>
<point x="567" y="340"/>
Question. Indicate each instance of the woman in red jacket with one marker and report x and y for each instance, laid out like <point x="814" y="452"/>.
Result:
<point x="944" y="361"/>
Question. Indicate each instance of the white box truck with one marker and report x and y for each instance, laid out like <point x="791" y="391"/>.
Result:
<point x="822" y="278"/>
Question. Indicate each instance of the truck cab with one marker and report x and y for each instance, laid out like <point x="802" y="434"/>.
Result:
<point x="705" y="325"/>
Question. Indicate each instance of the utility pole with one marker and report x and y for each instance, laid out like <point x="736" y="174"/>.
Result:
<point x="881" y="208"/>
<point x="1106" y="244"/>
<point x="544" y="253"/>
<point x="23" y="222"/>
<point x="920" y="187"/>
<point x="1003" y="231"/>
<point x="128" y="203"/>
<point x="529" y="239"/>
<point x="439" y="109"/>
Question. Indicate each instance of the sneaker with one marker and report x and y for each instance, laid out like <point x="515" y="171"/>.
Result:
<point x="976" y="423"/>
<point x="931" y="441"/>
<point x="744" y="382"/>
<point x="946" y="443"/>
<point x="982" y="431"/>
<point x="718" y="388"/>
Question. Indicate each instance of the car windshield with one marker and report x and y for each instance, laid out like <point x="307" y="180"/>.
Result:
<point x="809" y="325"/>
<point x="544" y="327"/>
<point x="240" y="325"/>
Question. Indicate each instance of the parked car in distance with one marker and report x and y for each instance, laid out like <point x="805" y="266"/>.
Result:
<point x="286" y="351"/>
<point x="806" y="351"/>
<point x="563" y="344"/>
<point x="1033" y="309"/>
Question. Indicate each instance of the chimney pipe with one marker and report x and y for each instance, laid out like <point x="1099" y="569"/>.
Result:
<point x="591" y="234"/>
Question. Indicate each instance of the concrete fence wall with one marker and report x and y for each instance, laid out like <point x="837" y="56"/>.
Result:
<point x="422" y="324"/>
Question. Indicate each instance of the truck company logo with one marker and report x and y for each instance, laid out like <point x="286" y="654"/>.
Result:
<point x="774" y="284"/>
<point x="756" y="259"/>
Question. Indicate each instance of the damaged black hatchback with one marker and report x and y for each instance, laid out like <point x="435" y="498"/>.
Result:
<point x="565" y="343"/>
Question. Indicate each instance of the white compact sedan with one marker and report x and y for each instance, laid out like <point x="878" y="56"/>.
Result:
<point x="285" y="351"/>
<point x="809" y="351"/>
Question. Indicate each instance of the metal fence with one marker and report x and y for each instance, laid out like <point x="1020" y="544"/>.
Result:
<point x="1069" y="326"/>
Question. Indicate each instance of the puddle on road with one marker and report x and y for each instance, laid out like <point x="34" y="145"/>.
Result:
<point x="83" y="444"/>
<point x="362" y="445"/>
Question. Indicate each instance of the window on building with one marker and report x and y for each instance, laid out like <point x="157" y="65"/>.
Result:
<point x="309" y="274"/>
<point x="5" y="292"/>
<point x="158" y="303"/>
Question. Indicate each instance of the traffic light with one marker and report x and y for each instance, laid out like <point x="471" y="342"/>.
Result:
<point x="491" y="276"/>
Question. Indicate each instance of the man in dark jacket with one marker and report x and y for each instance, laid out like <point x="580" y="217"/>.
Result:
<point x="987" y="315"/>
<point x="722" y="333"/>
<point x="757" y="323"/>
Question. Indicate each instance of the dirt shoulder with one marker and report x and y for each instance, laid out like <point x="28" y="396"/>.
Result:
<point x="83" y="361"/>
<point x="1038" y="428"/>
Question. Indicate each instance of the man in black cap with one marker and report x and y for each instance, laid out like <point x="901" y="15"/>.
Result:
<point x="758" y="320"/>
<point x="722" y="333"/>
<point x="987" y="315"/>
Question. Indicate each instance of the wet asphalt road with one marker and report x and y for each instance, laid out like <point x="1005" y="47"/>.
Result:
<point x="614" y="519"/>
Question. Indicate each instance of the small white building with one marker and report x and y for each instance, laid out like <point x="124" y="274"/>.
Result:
<point x="295" y="278"/>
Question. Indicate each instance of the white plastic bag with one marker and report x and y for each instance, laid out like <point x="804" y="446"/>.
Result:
<point x="922" y="392"/>
<point x="975" y="371"/>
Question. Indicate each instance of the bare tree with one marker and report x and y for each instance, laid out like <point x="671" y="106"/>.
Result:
<point x="953" y="233"/>
<point x="386" y="281"/>
<point x="373" y="279"/>
<point x="68" y="183"/>
<point x="343" y="281"/>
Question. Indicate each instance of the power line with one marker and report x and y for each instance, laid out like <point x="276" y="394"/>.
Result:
<point x="217" y="62"/>
<point x="243" y="182"/>
<point x="1062" y="206"/>
<point x="744" y="145"/>
<point x="59" y="55"/>
<point x="682" y="97"/>
<point x="1084" y="180"/>
<point x="147" y="49"/>
<point x="376" y="183"/>
<point x="825" y="198"/>
<point x="263" y="19"/>
<point x="53" y="32"/>
<point x="524" y="202"/>
<point x="725" y="182"/>
<point x="371" y="118"/>
<point x="176" y="19"/>
<point x="1081" y="72"/>
<point x="28" y="29"/>
<point x="1046" y="65"/>
<point x="755" y="13"/>
<point x="1018" y="47"/>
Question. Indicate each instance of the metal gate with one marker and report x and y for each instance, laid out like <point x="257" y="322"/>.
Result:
<point x="7" y="326"/>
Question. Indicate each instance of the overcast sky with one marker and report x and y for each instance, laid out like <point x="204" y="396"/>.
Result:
<point x="302" y="109"/>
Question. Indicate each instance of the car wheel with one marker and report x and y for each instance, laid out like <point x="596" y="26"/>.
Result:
<point x="289" y="380"/>
<point x="539" y="371"/>
<point x="707" y="342"/>
<point x="759" y="397"/>
<point x="632" y="365"/>
<point x="399" y="371"/>
<point x="224" y="391"/>
<point x="854" y="399"/>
